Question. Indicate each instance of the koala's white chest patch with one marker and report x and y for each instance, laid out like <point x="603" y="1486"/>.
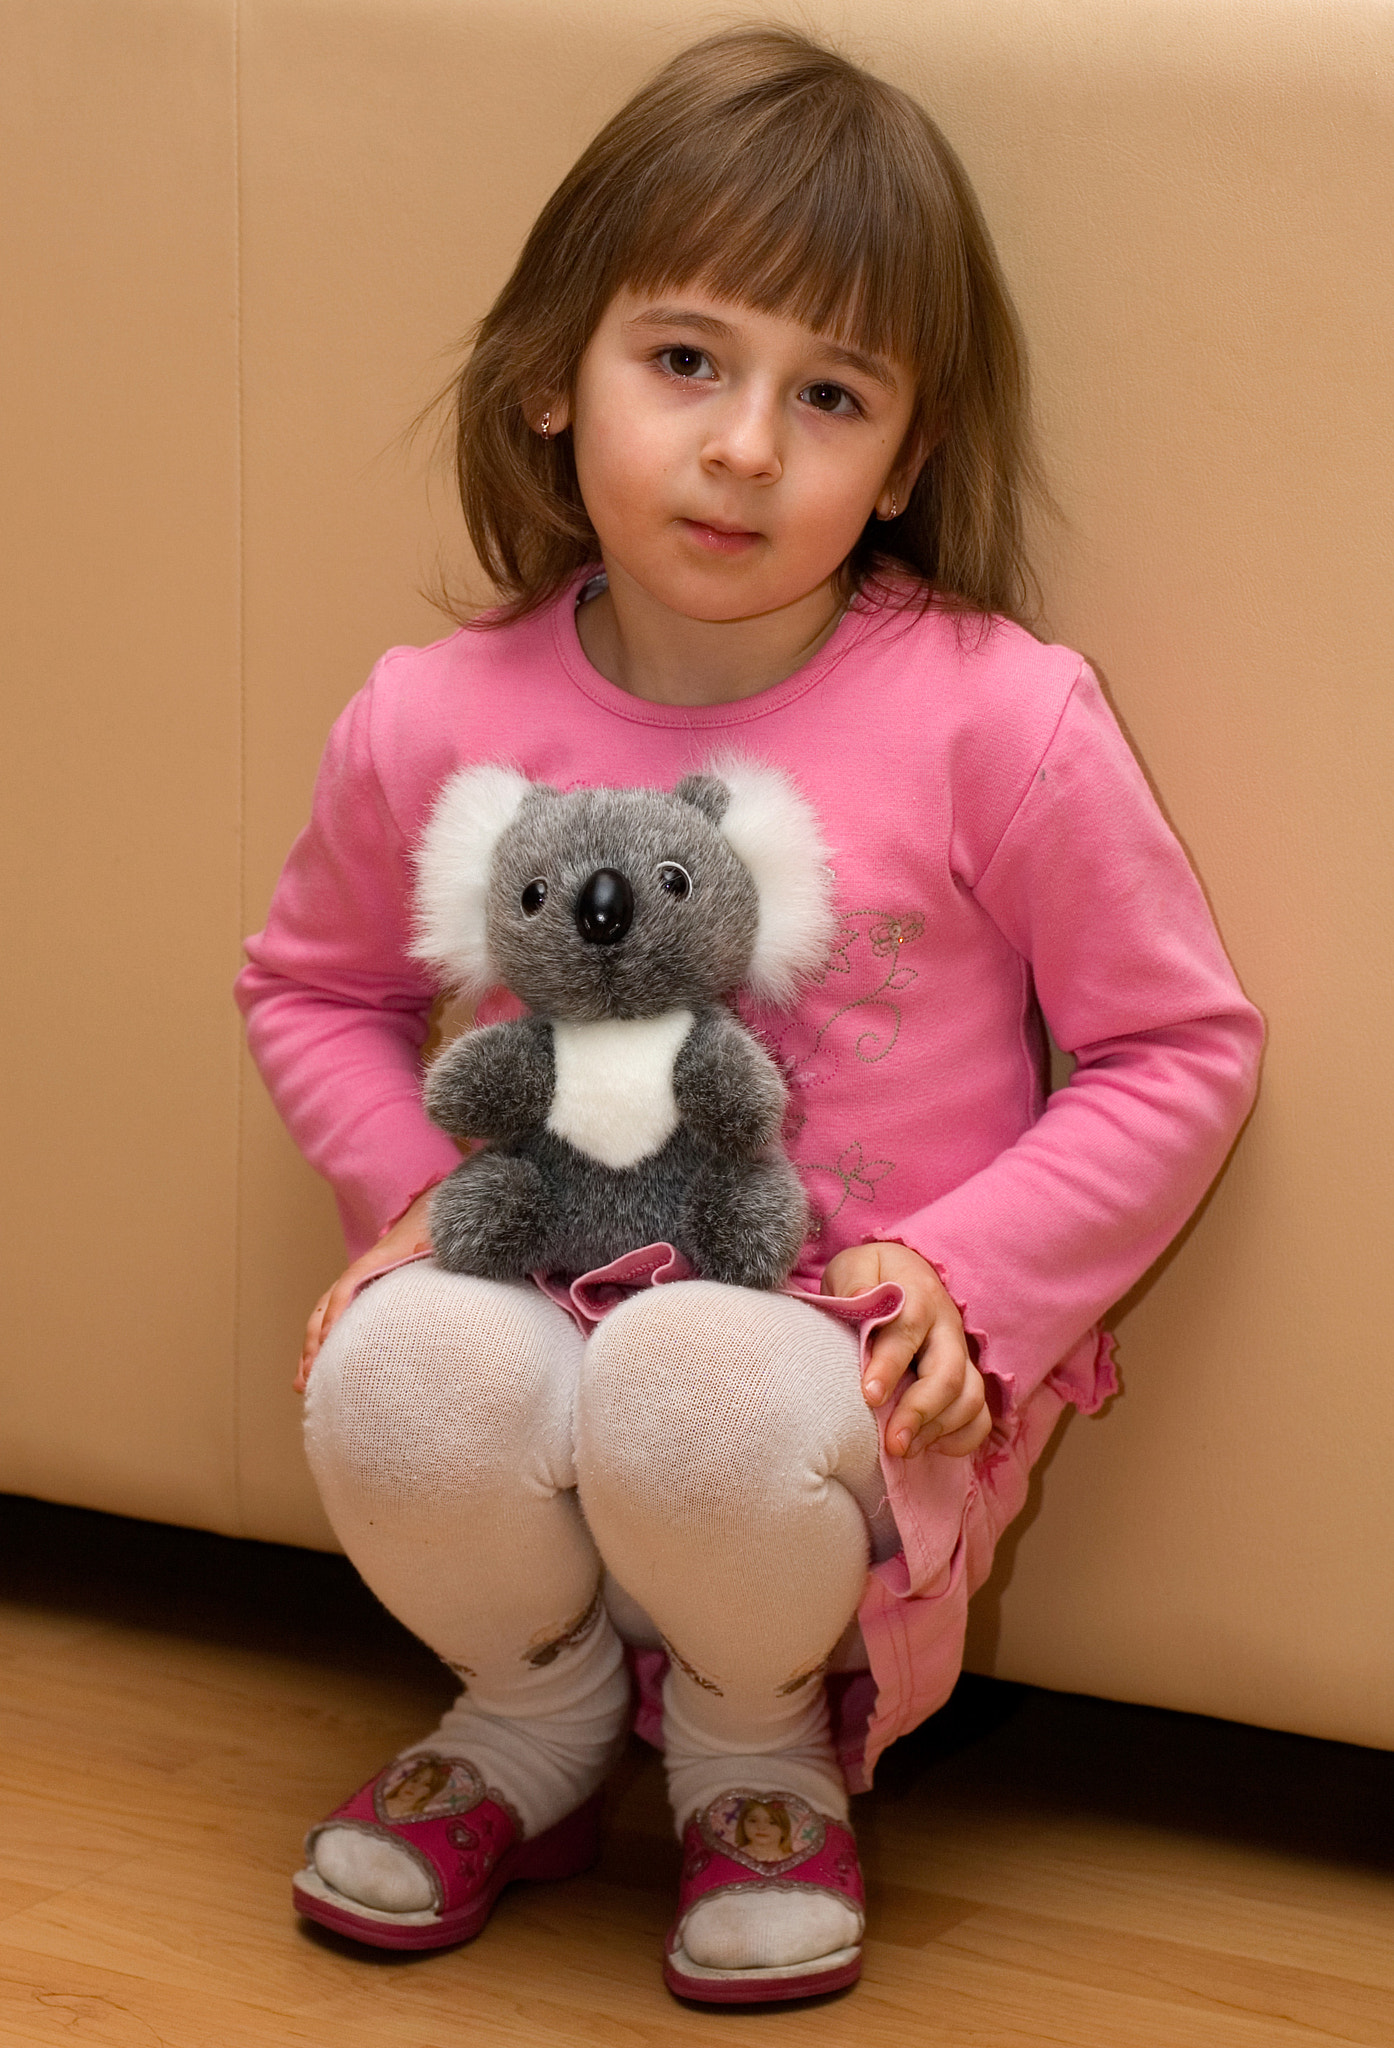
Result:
<point x="614" y="1098"/>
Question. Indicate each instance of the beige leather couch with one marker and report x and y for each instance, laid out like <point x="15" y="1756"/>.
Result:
<point x="241" y="243"/>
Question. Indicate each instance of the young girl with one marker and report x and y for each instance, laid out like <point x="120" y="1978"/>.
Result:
<point x="743" y="445"/>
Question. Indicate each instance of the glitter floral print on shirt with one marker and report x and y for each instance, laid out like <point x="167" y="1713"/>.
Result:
<point x="857" y="1176"/>
<point x="885" y="934"/>
<point x="869" y="949"/>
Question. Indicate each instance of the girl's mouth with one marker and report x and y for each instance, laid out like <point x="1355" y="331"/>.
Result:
<point x="719" y="540"/>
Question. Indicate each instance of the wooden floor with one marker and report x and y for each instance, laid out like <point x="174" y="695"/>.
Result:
<point x="1043" y="1869"/>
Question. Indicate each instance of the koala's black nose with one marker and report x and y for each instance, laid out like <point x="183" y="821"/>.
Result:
<point x="605" y="907"/>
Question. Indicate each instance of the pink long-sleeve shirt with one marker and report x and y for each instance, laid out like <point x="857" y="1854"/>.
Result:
<point x="999" y="859"/>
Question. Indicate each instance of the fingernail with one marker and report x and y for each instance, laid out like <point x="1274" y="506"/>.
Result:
<point x="874" y="1390"/>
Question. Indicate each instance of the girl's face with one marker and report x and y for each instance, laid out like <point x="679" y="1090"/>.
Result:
<point x="729" y="459"/>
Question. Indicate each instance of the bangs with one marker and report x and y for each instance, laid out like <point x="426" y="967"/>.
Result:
<point x="804" y="212"/>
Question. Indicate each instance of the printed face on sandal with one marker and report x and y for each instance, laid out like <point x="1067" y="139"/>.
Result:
<point x="427" y="1788"/>
<point x="763" y="1831"/>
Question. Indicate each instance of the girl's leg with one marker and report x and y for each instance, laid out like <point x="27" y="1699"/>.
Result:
<point x="729" y="1470"/>
<point x="439" y="1429"/>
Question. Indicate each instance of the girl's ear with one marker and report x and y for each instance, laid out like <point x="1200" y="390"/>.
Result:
<point x="454" y="862"/>
<point x="551" y="418"/>
<point x="920" y="444"/>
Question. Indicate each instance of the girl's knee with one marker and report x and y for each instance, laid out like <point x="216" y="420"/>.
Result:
<point x="697" y="1390"/>
<point x="431" y="1378"/>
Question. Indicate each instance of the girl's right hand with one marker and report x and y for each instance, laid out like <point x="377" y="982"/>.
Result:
<point x="409" y="1235"/>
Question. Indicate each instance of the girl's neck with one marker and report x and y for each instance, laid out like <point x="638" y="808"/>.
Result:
<point x="657" y="654"/>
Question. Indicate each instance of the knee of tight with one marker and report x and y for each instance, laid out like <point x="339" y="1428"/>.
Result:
<point x="695" y="1391"/>
<point x="434" y="1382"/>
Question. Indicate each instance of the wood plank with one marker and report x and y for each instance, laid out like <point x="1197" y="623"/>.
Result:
<point x="1043" y="1872"/>
<point x="1263" y="1906"/>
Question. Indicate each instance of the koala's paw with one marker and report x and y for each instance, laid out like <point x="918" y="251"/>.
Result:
<point x="493" y="1217"/>
<point x="743" y="1222"/>
<point x="494" y="1081"/>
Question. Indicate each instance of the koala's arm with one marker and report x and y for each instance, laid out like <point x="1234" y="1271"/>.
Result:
<point x="493" y="1082"/>
<point x="728" y="1089"/>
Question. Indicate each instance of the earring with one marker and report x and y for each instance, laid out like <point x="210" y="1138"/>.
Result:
<point x="546" y="424"/>
<point x="886" y="517"/>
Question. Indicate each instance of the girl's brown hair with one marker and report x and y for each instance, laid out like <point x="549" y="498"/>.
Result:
<point x="768" y="170"/>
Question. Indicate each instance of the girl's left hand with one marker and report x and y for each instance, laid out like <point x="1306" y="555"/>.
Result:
<point x="946" y="1409"/>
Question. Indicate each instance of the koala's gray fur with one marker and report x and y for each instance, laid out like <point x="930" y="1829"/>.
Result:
<point x="676" y="1139"/>
<point x="545" y="961"/>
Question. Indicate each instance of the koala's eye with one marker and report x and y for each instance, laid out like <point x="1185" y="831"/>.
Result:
<point x="534" y="896"/>
<point x="674" y="880"/>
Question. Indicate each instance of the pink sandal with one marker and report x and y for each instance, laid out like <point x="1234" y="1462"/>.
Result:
<point x="466" y="1839"/>
<point x="764" y="1841"/>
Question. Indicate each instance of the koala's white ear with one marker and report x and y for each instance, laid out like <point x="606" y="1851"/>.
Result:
<point x="453" y="864"/>
<point x="774" y="832"/>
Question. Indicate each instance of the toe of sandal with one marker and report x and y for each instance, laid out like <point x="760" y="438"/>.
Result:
<point x="463" y="1836"/>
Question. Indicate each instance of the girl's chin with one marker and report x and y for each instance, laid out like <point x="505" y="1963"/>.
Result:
<point x="713" y="589"/>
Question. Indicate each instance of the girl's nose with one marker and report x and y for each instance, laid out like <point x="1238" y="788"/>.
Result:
<point x="746" y="442"/>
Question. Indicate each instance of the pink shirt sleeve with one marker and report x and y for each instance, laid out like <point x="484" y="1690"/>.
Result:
<point x="336" y="1011"/>
<point x="1091" y="887"/>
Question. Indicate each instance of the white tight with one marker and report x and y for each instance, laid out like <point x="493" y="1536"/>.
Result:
<point x="482" y="1465"/>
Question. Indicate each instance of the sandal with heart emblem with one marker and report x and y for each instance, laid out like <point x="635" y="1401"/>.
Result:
<point x="464" y="1838"/>
<point x="747" y="1843"/>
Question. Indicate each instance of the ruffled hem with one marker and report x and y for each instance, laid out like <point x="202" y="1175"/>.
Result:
<point x="590" y="1297"/>
<point x="1089" y="1375"/>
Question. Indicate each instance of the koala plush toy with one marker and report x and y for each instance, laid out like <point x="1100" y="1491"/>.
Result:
<point x="631" y="1107"/>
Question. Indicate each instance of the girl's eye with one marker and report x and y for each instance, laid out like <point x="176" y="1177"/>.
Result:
<point x="830" y="398"/>
<point x="674" y="880"/>
<point x="534" y="896"/>
<point x="685" y="362"/>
